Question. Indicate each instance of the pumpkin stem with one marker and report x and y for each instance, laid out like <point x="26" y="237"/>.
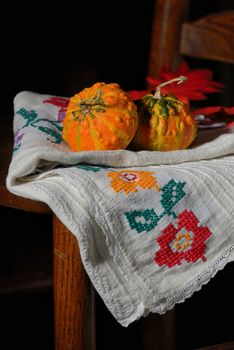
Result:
<point x="180" y="80"/>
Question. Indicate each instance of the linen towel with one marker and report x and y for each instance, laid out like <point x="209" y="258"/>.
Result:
<point x="153" y="227"/>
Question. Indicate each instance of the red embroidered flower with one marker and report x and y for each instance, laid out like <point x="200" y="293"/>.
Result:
<point x="61" y="102"/>
<point x="187" y="241"/>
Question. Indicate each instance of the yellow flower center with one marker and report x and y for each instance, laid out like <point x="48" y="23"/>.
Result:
<point x="182" y="241"/>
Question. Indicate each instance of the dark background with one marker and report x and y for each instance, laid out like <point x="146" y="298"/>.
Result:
<point x="59" y="49"/>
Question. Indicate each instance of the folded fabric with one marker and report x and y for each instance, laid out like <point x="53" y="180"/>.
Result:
<point x="153" y="227"/>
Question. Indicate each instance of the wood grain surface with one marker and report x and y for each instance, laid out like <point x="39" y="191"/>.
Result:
<point x="165" y="36"/>
<point x="73" y="294"/>
<point x="210" y="37"/>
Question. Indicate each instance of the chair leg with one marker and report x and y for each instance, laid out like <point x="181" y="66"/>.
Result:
<point x="159" y="331"/>
<point x="73" y="294"/>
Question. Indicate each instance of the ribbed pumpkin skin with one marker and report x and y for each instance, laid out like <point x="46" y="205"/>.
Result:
<point x="101" y="117"/>
<point x="165" y="124"/>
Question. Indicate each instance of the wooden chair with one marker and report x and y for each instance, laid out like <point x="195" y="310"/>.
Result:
<point x="73" y="293"/>
<point x="210" y="37"/>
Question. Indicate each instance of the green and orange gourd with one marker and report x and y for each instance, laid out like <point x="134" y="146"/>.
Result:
<point x="101" y="117"/>
<point x="165" y="122"/>
<point x="104" y="117"/>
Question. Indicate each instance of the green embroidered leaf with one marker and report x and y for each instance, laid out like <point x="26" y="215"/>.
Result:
<point x="30" y="115"/>
<point x="88" y="167"/>
<point x="16" y="147"/>
<point x="172" y="193"/>
<point x="142" y="220"/>
<point x="57" y="137"/>
<point x="55" y="123"/>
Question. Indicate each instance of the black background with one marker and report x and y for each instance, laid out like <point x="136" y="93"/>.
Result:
<point x="60" y="48"/>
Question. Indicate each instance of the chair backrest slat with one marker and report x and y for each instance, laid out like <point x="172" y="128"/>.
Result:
<point x="172" y="36"/>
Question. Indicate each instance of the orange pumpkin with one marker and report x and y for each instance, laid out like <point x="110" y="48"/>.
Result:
<point x="165" y="123"/>
<point x="101" y="117"/>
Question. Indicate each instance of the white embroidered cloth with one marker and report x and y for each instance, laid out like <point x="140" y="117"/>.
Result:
<point x="153" y="227"/>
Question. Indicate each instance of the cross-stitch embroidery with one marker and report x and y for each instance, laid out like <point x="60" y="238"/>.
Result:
<point x="88" y="167"/>
<point x="172" y="192"/>
<point x="61" y="102"/>
<point x="186" y="242"/>
<point x="129" y="180"/>
<point x="31" y="117"/>
<point x="17" y="140"/>
<point x="142" y="220"/>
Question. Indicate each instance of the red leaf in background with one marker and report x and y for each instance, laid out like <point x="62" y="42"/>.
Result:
<point x="214" y="116"/>
<point x="199" y="82"/>
<point x="138" y="94"/>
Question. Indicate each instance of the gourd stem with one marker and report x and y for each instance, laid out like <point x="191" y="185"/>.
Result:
<point x="180" y="80"/>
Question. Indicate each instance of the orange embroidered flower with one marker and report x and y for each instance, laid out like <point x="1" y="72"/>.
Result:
<point x="129" y="180"/>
